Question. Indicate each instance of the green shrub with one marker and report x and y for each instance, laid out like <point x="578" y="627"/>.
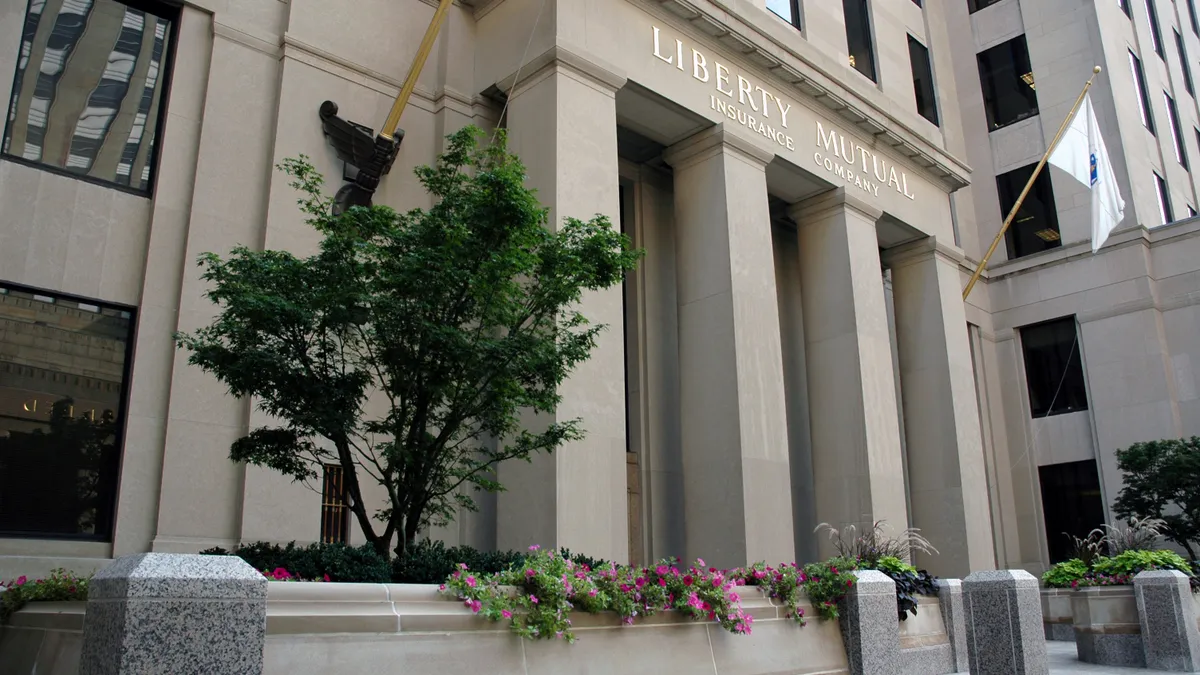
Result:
<point x="893" y="565"/>
<point x="1130" y="563"/>
<point x="1062" y="574"/>
<point x="314" y="562"/>
<point x="60" y="586"/>
<point x="430" y="562"/>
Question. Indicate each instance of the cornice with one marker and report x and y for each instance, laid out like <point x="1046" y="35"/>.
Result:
<point x="713" y="140"/>
<point x="920" y="251"/>
<point x="733" y="30"/>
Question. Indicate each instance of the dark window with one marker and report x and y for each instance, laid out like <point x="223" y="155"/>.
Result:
<point x="335" y="513"/>
<point x="1164" y="200"/>
<point x="1071" y="504"/>
<point x="788" y="10"/>
<point x="1176" y="130"/>
<point x="1191" y="211"/>
<point x="1124" y="5"/>
<point x="858" y="37"/>
<point x="1191" y="7"/>
<point x="976" y="5"/>
<point x="1139" y="83"/>
<point x="1155" y="33"/>
<point x="917" y="3"/>
<point x="1035" y="227"/>
<point x="87" y="98"/>
<point x="63" y="369"/>
<point x="1008" y="87"/>
<point x="1183" y="63"/>
<point x="1053" y="369"/>
<point x="923" y="80"/>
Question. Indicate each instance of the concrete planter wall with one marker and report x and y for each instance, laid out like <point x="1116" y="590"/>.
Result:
<point x="1107" y="628"/>
<point x="1057" y="616"/>
<point x="387" y="629"/>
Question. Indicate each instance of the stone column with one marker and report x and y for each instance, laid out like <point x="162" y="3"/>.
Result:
<point x="947" y="480"/>
<point x="1167" y="613"/>
<point x="737" y="495"/>
<point x="859" y="474"/>
<point x="174" y="613"/>
<point x="562" y="122"/>
<point x="1004" y="623"/>
<point x="870" y="625"/>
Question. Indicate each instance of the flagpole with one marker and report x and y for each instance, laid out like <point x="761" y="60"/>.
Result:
<point x="410" y="82"/>
<point x="1029" y="185"/>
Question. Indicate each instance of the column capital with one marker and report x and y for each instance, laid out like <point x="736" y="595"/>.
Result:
<point x="715" y="139"/>
<point x="577" y="63"/>
<point x="837" y="199"/>
<point x="921" y="251"/>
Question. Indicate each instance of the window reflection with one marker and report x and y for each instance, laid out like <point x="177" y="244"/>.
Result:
<point x="88" y="89"/>
<point x="62" y="371"/>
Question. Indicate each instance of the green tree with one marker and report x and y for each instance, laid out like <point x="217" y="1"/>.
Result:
<point x="1162" y="480"/>
<point x="407" y="347"/>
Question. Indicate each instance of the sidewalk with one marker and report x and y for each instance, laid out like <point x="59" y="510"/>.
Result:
<point x="1063" y="659"/>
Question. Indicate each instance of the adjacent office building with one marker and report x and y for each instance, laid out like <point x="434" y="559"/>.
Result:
<point x="812" y="182"/>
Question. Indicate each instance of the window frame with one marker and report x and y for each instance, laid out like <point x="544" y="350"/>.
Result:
<point x="933" y="117"/>
<point x="795" y="22"/>
<point x="977" y="5"/>
<point x="869" y="32"/>
<point x="1074" y="355"/>
<point x="1162" y="192"/>
<point x="333" y="512"/>
<point x="991" y="94"/>
<point x="1192" y="18"/>
<point x="122" y="420"/>
<point x="1043" y="189"/>
<point x="1176" y="130"/>
<point x="1156" y="39"/>
<point x="162" y="10"/>
<point x="1183" y="64"/>
<point x="1139" y="83"/>
<point x="1124" y="5"/>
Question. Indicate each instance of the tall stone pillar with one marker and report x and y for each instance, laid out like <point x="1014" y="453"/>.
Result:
<point x="737" y="498"/>
<point x="562" y="121"/>
<point x="857" y="464"/>
<point x="947" y="480"/>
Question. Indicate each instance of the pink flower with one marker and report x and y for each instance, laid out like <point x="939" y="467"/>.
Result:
<point x="687" y="580"/>
<point x="661" y="569"/>
<point x="700" y="562"/>
<point x="534" y="547"/>
<point x="641" y="582"/>
<point x="849" y="583"/>
<point x="21" y="580"/>
<point x="506" y="614"/>
<point x="529" y="574"/>
<point x="462" y="566"/>
<point x="327" y="577"/>
<point x="476" y="606"/>
<point x="533" y="599"/>
<point x="592" y="593"/>
<point x="280" y="574"/>
<point x="71" y="589"/>
<point x="442" y="587"/>
<point x="471" y="581"/>
<point x="734" y="597"/>
<point x="662" y="582"/>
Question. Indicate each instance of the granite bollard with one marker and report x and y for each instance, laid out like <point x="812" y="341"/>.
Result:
<point x="168" y="613"/>
<point x="1167" y="613"/>
<point x="870" y="625"/>
<point x="954" y="614"/>
<point x="1004" y="623"/>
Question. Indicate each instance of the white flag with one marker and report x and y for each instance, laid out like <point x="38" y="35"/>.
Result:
<point x="1082" y="154"/>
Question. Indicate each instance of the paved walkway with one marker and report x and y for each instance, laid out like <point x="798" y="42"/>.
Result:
<point x="1063" y="660"/>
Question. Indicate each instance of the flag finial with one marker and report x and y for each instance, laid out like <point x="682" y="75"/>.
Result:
<point x="1097" y="70"/>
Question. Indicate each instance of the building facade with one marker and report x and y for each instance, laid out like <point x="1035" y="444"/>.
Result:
<point x="812" y="184"/>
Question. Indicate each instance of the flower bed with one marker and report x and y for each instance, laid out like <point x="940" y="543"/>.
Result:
<point x="537" y="598"/>
<point x="60" y="586"/>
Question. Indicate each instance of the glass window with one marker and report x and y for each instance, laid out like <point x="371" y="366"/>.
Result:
<point x="335" y="513"/>
<point x="858" y="37"/>
<point x="1191" y="8"/>
<point x="1124" y="5"/>
<point x="1183" y="63"/>
<point x="63" y="368"/>
<point x="1071" y="504"/>
<point x="1155" y="33"/>
<point x="788" y="10"/>
<point x="1191" y="211"/>
<point x="976" y="5"/>
<point x="1176" y="130"/>
<point x="1053" y="369"/>
<point x="1009" y="94"/>
<point x="1035" y="227"/>
<point x="1164" y="200"/>
<point x="1139" y="83"/>
<point x="922" y="71"/>
<point x="87" y="95"/>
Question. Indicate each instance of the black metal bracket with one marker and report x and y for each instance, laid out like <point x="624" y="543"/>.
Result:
<point x="357" y="146"/>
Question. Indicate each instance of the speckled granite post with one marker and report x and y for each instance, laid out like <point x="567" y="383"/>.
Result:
<point x="870" y="625"/>
<point x="1168" y="615"/>
<point x="1004" y="623"/>
<point x="954" y="614"/>
<point x="155" y="613"/>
